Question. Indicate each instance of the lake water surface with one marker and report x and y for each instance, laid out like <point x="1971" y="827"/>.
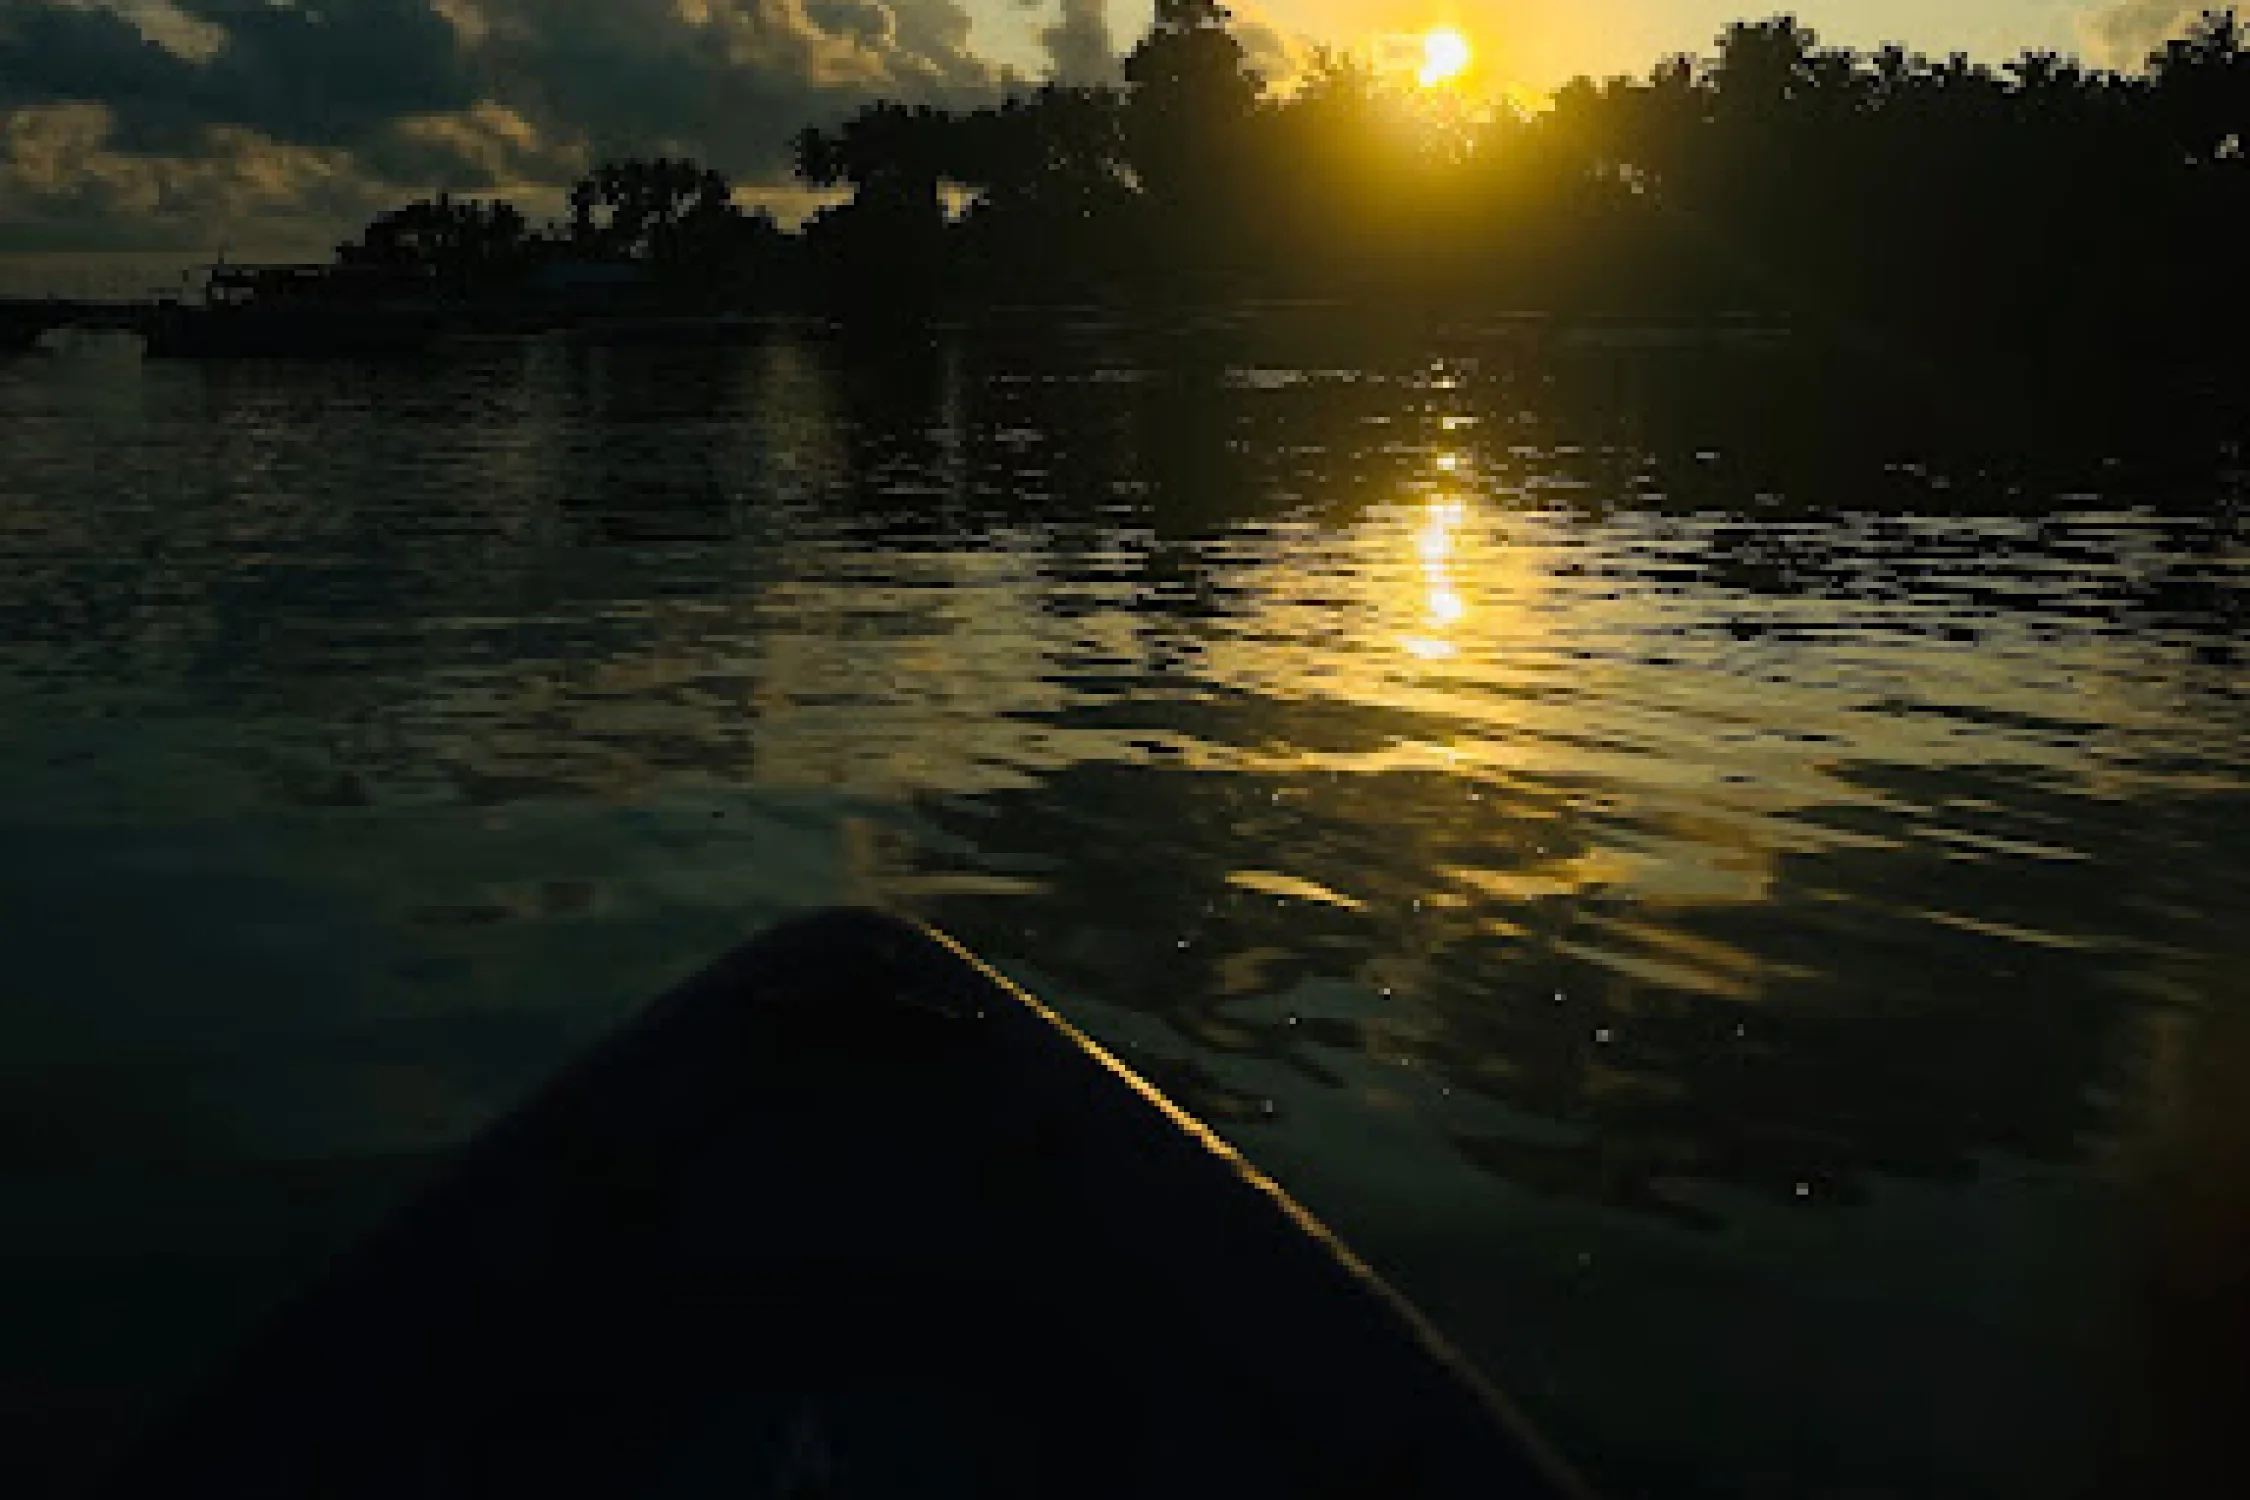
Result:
<point x="1734" y="897"/>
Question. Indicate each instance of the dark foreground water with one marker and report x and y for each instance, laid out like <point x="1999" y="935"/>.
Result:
<point x="1737" y="899"/>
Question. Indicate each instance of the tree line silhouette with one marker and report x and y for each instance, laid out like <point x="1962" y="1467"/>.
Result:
<point x="1877" y="195"/>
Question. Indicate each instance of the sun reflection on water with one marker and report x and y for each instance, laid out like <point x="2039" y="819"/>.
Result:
<point x="1442" y="605"/>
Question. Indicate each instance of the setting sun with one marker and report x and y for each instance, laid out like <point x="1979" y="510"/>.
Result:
<point x="1445" y="56"/>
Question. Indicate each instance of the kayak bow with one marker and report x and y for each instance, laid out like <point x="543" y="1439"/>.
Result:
<point x="850" y="1215"/>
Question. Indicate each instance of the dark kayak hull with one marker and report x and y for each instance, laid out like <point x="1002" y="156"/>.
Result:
<point x="847" y="1215"/>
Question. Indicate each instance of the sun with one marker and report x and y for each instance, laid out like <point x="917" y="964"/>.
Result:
<point x="1445" y="56"/>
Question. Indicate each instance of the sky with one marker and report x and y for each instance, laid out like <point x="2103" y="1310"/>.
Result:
<point x="273" y="126"/>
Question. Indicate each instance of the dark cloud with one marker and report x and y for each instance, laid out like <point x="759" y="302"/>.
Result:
<point x="1079" y="44"/>
<point x="136" y="112"/>
<point x="322" y="73"/>
<point x="2122" y="33"/>
<point x="329" y="71"/>
<point x="54" y="54"/>
<point x="729" y="83"/>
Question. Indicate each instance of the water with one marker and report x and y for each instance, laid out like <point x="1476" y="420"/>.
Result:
<point x="1730" y="894"/>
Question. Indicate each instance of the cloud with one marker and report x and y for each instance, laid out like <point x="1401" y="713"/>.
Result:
<point x="326" y="72"/>
<point x="2122" y="33"/>
<point x="64" y="185"/>
<point x="1279" y="57"/>
<point x="1081" y="48"/>
<point x="322" y="72"/>
<point x="1276" y="55"/>
<point x="54" y="54"/>
<point x="727" y="82"/>
<point x="1079" y="45"/>
<point x="351" y="102"/>
<point x="486" y="148"/>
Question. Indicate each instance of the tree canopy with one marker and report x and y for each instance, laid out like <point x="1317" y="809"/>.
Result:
<point x="1881" y="193"/>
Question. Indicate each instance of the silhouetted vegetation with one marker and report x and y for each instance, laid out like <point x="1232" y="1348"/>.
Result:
<point x="672" y="220"/>
<point x="469" y="245"/>
<point x="1885" y="197"/>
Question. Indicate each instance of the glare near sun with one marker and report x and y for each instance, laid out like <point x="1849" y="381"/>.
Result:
<point x="1445" y="56"/>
